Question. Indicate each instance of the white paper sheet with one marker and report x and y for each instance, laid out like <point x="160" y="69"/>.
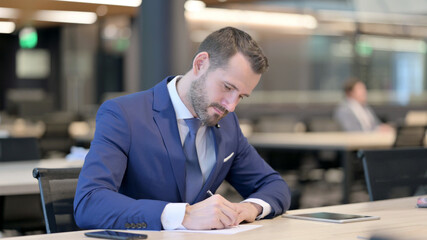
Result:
<point x="233" y="230"/>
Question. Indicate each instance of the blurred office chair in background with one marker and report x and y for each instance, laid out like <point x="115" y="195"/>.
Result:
<point x="57" y="189"/>
<point x="28" y="102"/>
<point x="56" y="139"/>
<point x="19" y="149"/>
<point x="323" y="124"/>
<point x="409" y="136"/>
<point x="279" y="124"/>
<point x="395" y="173"/>
<point x="326" y="158"/>
<point x="20" y="212"/>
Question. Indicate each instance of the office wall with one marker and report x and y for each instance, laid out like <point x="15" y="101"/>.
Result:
<point x="48" y="42"/>
<point x="307" y="67"/>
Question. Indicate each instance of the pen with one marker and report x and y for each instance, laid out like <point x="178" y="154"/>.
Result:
<point x="210" y="193"/>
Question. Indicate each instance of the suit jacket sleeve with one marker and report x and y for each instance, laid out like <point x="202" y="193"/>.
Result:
<point x="346" y="118"/>
<point x="98" y="202"/>
<point x="252" y="177"/>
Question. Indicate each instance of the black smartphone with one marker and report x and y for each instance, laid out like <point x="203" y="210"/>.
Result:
<point x="108" y="234"/>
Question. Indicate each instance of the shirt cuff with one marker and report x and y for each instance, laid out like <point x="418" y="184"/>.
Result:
<point x="173" y="215"/>
<point x="266" y="208"/>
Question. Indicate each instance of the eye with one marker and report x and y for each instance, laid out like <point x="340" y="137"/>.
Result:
<point x="228" y="88"/>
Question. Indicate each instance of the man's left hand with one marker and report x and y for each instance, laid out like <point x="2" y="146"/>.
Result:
<point x="247" y="211"/>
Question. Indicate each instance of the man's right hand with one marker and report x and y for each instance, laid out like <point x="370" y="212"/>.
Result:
<point x="213" y="213"/>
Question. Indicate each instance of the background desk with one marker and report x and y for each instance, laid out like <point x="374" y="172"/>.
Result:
<point x="323" y="140"/>
<point x="20" y="206"/>
<point x="16" y="178"/>
<point x="343" y="143"/>
<point x="399" y="219"/>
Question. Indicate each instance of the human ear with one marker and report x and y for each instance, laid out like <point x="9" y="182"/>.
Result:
<point x="200" y="63"/>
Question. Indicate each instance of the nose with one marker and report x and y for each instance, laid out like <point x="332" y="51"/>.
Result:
<point x="231" y="102"/>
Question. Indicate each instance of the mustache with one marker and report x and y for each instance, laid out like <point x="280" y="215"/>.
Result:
<point x="220" y="107"/>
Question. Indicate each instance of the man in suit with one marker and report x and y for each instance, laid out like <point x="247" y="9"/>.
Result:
<point x="140" y="173"/>
<point x="353" y="114"/>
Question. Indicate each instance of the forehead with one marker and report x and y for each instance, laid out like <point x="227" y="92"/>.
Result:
<point x="359" y="86"/>
<point x="239" y="72"/>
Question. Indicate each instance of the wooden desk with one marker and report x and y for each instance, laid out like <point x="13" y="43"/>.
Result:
<point x="399" y="219"/>
<point x="344" y="143"/>
<point x="16" y="178"/>
<point x="323" y="140"/>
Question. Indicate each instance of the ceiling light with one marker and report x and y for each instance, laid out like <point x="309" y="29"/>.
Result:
<point x="274" y="19"/>
<point x="7" y="27"/>
<point x="394" y="44"/>
<point x="194" y="6"/>
<point x="65" y="16"/>
<point x="372" y="17"/>
<point x="125" y="3"/>
<point x="52" y="16"/>
<point x="102" y="10"/>
<point x="8" y="13"/>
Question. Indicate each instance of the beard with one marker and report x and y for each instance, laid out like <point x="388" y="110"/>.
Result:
<point x="198" y="99"/>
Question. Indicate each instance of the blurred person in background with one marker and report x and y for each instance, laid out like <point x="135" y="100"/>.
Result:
<point x="353" y="114"/>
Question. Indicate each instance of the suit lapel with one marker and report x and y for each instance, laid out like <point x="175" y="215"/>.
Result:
<point x="165" y="118"/>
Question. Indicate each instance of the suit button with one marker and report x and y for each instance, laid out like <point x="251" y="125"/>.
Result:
<point x="133" y="225"/>
<point x="144" y="225"/>
<point x="127" y="225"/>
<point x="139" y="225"/>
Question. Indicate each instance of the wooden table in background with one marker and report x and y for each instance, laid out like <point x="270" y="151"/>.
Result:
<point x="16" y="178"/>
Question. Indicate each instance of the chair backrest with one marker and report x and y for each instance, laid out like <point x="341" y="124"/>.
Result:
<point x="323" y="124"/>
<point x="57" y="189"/>
<point x="19" y="149"/>
<point x="409" y="136"/>
<point x="395" y="173"/>
<point x="279" y="124"/>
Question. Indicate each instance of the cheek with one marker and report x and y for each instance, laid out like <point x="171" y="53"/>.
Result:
<point x="213" y="94"/>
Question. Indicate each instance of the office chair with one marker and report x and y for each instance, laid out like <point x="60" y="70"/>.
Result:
<point x="57" y="189"/>
<point x="274" y="124"/>
<point x="409" y="136"/>
<point x="19" y="149"/>
<point x="57" y="139"/>
<point x="395" y="173"/>
<point x="326" y="158"/>
<point x="323" y="124"/>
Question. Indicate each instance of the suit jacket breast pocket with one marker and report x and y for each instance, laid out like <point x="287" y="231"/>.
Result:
<point x="229" y="157"/>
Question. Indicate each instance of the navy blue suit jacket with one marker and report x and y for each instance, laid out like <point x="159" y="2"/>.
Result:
<point x="136" y="165"/>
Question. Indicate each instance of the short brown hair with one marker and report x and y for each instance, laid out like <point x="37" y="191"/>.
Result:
<point x="349" y="85"/>
<point x="224" y="43"/>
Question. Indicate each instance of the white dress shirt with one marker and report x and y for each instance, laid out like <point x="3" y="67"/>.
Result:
<point x="173" y="214"/>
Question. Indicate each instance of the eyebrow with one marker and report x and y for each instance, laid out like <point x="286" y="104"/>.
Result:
<point x="234" y="86"/>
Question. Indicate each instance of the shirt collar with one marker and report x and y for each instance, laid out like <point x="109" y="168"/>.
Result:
<point x="353" y="102"/>
<point x="181" y="110"/>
